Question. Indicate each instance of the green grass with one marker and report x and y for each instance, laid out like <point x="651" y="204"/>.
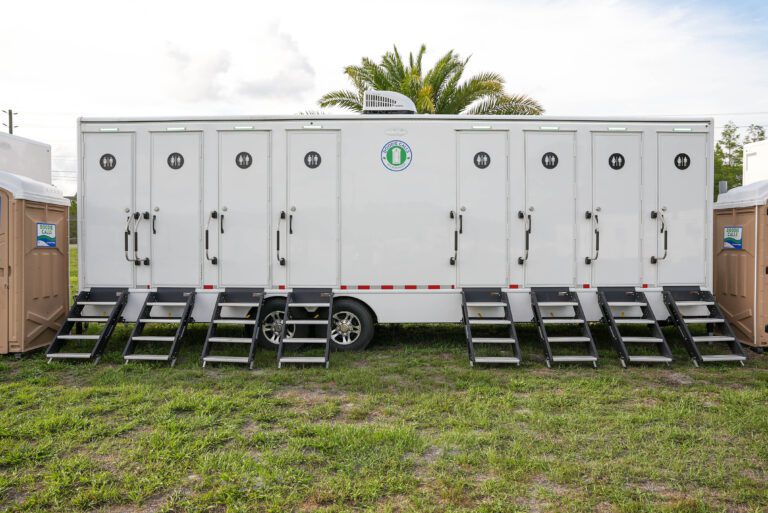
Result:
<point x="404" y="426"/>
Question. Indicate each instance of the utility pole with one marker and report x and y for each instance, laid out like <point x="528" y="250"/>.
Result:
<point x="10" y="124"/>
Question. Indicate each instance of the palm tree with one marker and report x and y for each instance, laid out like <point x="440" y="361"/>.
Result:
<point x="438" y="91"/>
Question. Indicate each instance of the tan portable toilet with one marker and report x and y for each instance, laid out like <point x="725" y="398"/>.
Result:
<point x="34" y="263"/>
<point x="741" y="260"/>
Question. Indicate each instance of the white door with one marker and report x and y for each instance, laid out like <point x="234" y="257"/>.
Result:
<point x="312" y="217"/>
<point x="549" y="213"/>
<point x="107" y="204"/>
<point x="176" y="219"/>
<point x="243" y="222"/>
<point x="683" y="190"/>
<point x="482" y="209"/>
<point x="616" y="211"/>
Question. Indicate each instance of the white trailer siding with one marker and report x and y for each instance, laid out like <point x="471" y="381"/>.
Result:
<point x="25" y="157"/>
<point x="371" y="215"/>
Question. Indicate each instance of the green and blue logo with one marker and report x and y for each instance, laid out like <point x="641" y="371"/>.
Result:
<point x="46" y="235"/>
<point x="733" y="237"/>
<point x="396" y="156"/>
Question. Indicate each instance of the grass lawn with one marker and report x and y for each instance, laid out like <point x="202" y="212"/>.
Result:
<point x="404" y="426"/>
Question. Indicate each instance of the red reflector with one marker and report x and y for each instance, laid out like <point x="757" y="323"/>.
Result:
<point x="343" y="287"/>
<point x="645" y="285"/>
<point x="363" y="287"/>
<point x="433" y="287"/>
<point x="208" y="287"/>
<point x="281" y="287"/>
<point x="586" y="285"/>
<point x="453" y="286"/>
<point x="387" y="287"/>
<point x="410" y="287"/>
<point x="514" y="286"/>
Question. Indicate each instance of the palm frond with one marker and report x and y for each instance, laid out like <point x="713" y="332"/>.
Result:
<point x="503" y="105"/>
<point x="351" y="100"/>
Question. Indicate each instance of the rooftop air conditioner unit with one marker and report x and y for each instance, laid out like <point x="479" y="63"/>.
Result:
<point x="387" y="102"/>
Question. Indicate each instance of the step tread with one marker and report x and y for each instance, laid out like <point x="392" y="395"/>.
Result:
<point x="703" y="320"/>
<point x="87" y="319"/>
<point x="643" y="340"/>
<point x="486" y="304"/>
<point x="302" y="359"/>
<point x="148" y="357"/>
<point x="715" y="338"/>
<point x="229" y="320"/>
<point x="167" y="304"/>
<point x="305" y="340"/>
<point x="226" y="359"/>
<point x="633" y="320"/>
<point x="492" y="340"/>
<point x="649" y="359"/>
<point x="153" y="338"/>
<point x="306" y="321"/>
<point x="83" y="356"/>
<point x="78" y="337"/>
<point x="558" y="303"/>
<point x="574" y="358"/>
<point x="490" y="321"/>
<point x="621" y="304"/>
<point x="567" y="320"/>
<point x="308" y="305"/>
<point x="497" y="359"/>
<point x="231" y="340"/>
<point x="695" y="303"/>
<point x="723" y="358"/>
<point x="97" y="303"/>
<point x="239" y="305"/>
<point x="568" y="339"/>
<point x="160" y="320"/>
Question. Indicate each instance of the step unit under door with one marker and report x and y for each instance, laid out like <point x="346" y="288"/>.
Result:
<point x="616" y="216"/>
<point x="549" y="214"/>
<point x="312" y="219"/>
<point x="481" y="216"/>
<point x="176" y="220"/>
<point x="242" y="221"/>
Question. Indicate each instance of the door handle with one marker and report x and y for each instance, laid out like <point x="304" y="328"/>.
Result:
<point x="137" y="259"/>
<point x="280" y="260"/>
<point x="128" y="236"/>
<point x="455" y="256"/>
<point x="221" y="223"/>
<point x="589" y="215"/>
<point x="461" y="223"/>
<point x="665" y="231"/>
<point x="154" y="231"/>
<point x="290" y="224"/>
<point x="521" y="215"/>
<point x="213" y="260"/>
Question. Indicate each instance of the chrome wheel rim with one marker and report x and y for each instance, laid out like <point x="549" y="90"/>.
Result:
<point x="346" y="328"/>
<point x="272" y="326"/>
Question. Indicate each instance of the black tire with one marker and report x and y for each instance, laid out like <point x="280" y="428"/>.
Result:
<point x="354" y="314"/>
<point x="275" y="307"/>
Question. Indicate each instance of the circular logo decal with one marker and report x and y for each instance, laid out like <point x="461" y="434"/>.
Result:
<point x="107" y="162"/>
<point x="616" y="161"/>
<point x="313" y="160"/>
<point x="549" y="160"/>
<point x="682" y="161"/>
<point x="243" y="160"/>
<point x="175" y="160"/>
<point x="482" y="159"/>
<point x="396" y="155"/>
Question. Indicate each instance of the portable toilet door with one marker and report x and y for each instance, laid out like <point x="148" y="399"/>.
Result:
<point x="34" y="263"/>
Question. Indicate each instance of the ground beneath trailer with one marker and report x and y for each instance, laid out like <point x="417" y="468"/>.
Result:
<point x="404" y="426"/>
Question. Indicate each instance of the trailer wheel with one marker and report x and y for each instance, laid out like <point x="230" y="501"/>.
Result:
<point x="272" y="322"/>
<point x="352" y="325"/>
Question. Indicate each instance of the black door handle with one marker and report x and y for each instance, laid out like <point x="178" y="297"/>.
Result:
<point x="290" y="224"/>
<point x="154" y="217"/>
<point x="221" y="223"/>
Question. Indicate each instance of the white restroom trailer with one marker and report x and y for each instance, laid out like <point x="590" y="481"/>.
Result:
<point x="398" y="212"/>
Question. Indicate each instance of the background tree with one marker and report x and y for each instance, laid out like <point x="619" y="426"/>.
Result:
<point x="729" y="154"/>
<point x="755" y="133"/>
<point x="439" y="90"/>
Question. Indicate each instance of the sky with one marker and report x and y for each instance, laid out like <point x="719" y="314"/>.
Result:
<point x="61" y="60"/>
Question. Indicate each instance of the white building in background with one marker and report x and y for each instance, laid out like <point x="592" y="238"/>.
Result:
<point x="25" y="157"/>
<point x="755" y="162"/>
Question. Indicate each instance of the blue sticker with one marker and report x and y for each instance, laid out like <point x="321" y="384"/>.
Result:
<point x="46" y="235"/>
<point x="733" y="237"/>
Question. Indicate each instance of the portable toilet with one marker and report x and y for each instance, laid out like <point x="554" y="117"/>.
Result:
<point x="34" y="263"/>
<point x="741" y="260"/>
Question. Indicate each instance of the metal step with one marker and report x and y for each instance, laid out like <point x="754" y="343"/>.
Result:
<point x="239" y="305"/>
<point x="226" y="359"/>
<point x="557" y="303"/>
<point x="487" y="304"/>
<point x="159" y="320"/>
<point x="302" y="359"/>
<point x="625" y="304"/>
<point x="490" y="321"/>
<point x="632" y="320"/>
<point x="573" y="358"/>
<point x="702" y="320"/>
<point x="492" y="340"/>
<point x="568" y="339"/>
<point x="649" y="359"/>
<point x="231" y="340"/>
<point x="151" y="338"/>
<point x="308" y="305"/>
<point x="714" y="338"/>
<point x="497" y="359"/>
<point x="723" y="358"/>
<point x="87" y="319"/>
<point x="567" y="320"/>
<point x="97" y="303"/>
<point x="643" y="340"/>
<point x="83" y="356"/>
<point x="306" y="321"/>
<point x="695" y="303"/>
<point x="227" y="320"/>
<point x="304" y="340"/>
<point x="171" y="304"/>
<point x="148" y="357"/>
<point x="78" y="337"/>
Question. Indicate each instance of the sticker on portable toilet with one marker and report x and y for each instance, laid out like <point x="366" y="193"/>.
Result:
<point x="46" y="235"/>
<point x="396" y="155"/>
<point x="732" y="237"/>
